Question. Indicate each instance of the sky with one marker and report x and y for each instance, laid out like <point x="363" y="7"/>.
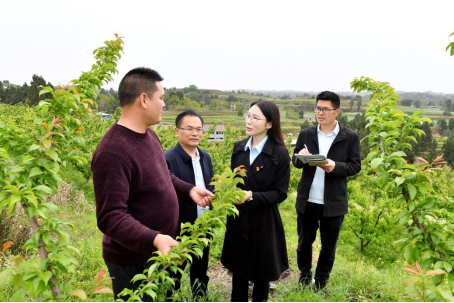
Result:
<point x="229" y="45"/>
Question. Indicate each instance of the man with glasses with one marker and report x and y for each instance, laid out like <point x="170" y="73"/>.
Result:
<point x="322" y="199"/>
<point x="193" y="165"/>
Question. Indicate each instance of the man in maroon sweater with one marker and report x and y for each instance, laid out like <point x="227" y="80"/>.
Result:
<point x="136" y="195"/>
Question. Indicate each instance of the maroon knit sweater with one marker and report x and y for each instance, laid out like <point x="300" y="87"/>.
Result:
<point x="136" y="195"/>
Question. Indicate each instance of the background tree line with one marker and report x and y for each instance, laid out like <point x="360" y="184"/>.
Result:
<point x="27" y="93"/>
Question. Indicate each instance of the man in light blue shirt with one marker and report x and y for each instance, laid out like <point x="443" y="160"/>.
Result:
<point x="322" y="199"/>
<point x="318" y="185"/>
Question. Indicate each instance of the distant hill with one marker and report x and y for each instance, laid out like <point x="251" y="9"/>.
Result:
<point x="416" y="96"/>
<point x="426" y="96"/>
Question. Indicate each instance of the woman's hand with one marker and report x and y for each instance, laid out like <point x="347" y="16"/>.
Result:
<point x="247" y="196"/>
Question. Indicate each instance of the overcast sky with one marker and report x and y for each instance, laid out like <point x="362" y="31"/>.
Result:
<point x="269" y="45"/>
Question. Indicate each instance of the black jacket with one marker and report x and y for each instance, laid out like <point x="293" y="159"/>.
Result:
<point x="345" y="151"/>
<point x="180" y="163"/>
<point x="254" y="243"/>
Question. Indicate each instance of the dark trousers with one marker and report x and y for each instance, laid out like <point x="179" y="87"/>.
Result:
<point x="123" y="275"/>
<point x="198" y="274"/>
<point x="308" y="224"/>
<point x="240" y="290"/>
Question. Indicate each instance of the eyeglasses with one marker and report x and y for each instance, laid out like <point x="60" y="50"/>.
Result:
<point x="190" y="130"/>
<point x="254" y="119"/>
<point x="323" y="109"/>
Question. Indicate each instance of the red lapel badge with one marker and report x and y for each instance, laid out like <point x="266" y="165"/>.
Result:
<point x="257" y="168"/>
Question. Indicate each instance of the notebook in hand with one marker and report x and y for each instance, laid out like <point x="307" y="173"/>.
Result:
<point x="312" y="160"/>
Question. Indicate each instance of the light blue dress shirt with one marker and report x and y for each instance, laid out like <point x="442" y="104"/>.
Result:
<point x="254" y="152"/>
<point x="199" y="181"/>
<point x="316" y="194"/>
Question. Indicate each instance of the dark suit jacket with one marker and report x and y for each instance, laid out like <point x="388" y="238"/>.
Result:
<point x="345" y="151"/>
<point x="254" y="243"/>
<point x="180" y="163"/>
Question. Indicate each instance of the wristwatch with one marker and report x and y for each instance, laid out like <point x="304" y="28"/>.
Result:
<point x="250" y="193"/>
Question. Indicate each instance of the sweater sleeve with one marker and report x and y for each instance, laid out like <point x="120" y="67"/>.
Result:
<point x="111" y="180"/>
<point x="182" y="188"/>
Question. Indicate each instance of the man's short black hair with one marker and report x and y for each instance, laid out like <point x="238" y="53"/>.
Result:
<point x="329" y="96"/>
<point x="137" y="81"/>
<point x="187" y="113"/>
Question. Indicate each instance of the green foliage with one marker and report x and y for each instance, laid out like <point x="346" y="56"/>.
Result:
<point x="421" y="278"/>
<point x="371" y="212"/>
<point x="193" y="238"/>
<point x="430" y="229"/>
<point x="32" y="159"/>
<point x="451" y="46"/>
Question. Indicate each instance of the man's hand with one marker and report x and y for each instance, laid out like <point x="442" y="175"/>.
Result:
<point x="304" y="151"/>
<point x="164" y="243"/>
<point x="328" y="167"/>
<point x="201" y="196"/>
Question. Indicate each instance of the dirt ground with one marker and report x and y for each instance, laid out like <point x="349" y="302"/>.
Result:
<point x="220" y="275"/>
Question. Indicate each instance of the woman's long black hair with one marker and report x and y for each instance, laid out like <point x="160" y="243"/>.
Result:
<point x="271" y="113"/>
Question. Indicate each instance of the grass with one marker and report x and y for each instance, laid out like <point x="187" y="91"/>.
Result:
<point x="356" y="276"/>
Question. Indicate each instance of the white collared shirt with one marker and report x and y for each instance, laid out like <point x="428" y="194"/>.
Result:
<point x="199" y="181"/>
<point x="316" y="193"/>
<point x="254" y="152"/>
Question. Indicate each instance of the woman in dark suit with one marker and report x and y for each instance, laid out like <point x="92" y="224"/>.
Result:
<point x="254" y="245"/>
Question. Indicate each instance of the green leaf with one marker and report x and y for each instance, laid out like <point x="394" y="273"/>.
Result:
<point x="18" y="296"/>
<point x="426" y="204"/>
<point x="43" y="188"/>
<point x="151" y="293"/>
<point x="447" y="295"/>
<point x="11" y="189"/>
<point x="30" y="276"/>
<point x="46" y="239"/>
<point x="31" y="212"/>
<point x="52" y="154"/>
<point x="18" y="281"/>
<point x="41" y="287"/>
<point x="399" y="180"/>
<point x="5" y="276"/>
<point x="447" y="266"/>
<point x="45" y="276"/>
<point x="27" y="159"/>
<point x="45" y="90"/>
<point x="152" y="269"/>
<point x="139" y="277"/>
<point x="198" y="251"/>
<point x="80" y="294"/>
<point x="34" y="147"/>
<point x="397" y="154"/>
<point x="32" y="199"/>
<point x="411" y="280"/>
<point x="376" y="162"/>
<point x="35" y="171"/>
<point x="412" y="190"/>
<point x="451" y="280"/>
<point x="52" y="207"/>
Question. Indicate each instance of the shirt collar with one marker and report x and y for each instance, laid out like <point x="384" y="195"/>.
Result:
<point x="335" y="131"/>
<point x="197" y="155"/>
<point x="258" y="147"/>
